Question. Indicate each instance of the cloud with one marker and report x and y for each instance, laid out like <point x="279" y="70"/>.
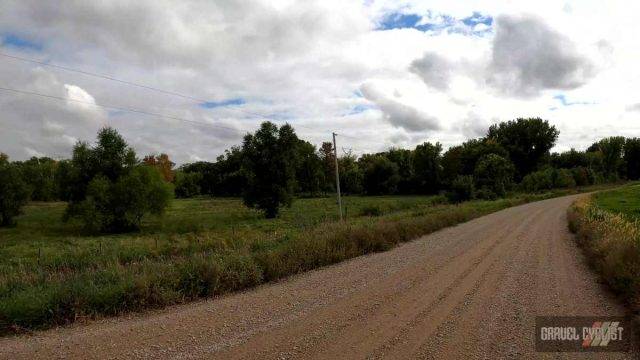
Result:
<point x="634" y="107"/>
<point x="529" y="57"/>
<point x="398" y="114"/>
<point x="434" y="69"/>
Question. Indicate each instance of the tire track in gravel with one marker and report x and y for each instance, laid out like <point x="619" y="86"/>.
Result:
<point x="469" y="291"/>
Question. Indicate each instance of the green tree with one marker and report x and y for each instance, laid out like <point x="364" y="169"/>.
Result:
<point x="111" y="191"/>
<point x="270" y="167"/>
<point x="187" y="184"/>
<point x="632" y="158"/>
<point x="527" y="141"/>
<point x="494" y="175"/>
<point x="39" y="174"/>
<point x="14" y="192"/>
<point x="380" y="175"/>
<point x="428" y="167"/>
<point x="351" y="175"/>
<point x="404" y="160"/>
<point x="611" y="149"/>
<point x="309" y="171"/>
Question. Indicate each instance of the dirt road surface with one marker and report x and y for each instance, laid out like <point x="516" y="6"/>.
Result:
<point x="470" y="291"/>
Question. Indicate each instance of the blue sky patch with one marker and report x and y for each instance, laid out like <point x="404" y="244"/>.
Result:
<point x="564" y="102"/>
<point x="435" y="22"/>
<point x="16" y="41"/>
<point x="399" y="21"/>
<point x="216" y="104"/>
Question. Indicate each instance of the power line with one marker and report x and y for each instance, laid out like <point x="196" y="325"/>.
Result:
<point x="109" y="107"/>
<point x="142" y="86"/>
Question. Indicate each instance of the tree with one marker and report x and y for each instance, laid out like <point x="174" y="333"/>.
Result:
<point x="187" y="184"/>
<point x="39" y="175"/>
<point x="569" y="159"/>
<point x="329" y="166"/>
<point x="380" y="175"/>
<point x="428" y="168"/>
<point x="14" y="192"/>
<point x="309" y="171"/>
<point x="111" y="191"/>
<point x="632" y="158"/>
<point x="163" y="164"/>
<point x="269" y="165"/>
<point x="475" y="149"/>
<point x="404" y="160"/>
<point x="611" y="149"/>
<point x="462" y="189"/>
<point x="494" y="175"/>
<point x="527" y="141"/>
<point x="351" y="175"/>
<point x="452" y="164"/>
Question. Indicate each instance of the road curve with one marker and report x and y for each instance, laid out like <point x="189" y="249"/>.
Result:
<point x="469" y="291"/>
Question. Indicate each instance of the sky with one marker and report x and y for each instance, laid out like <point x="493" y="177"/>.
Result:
<point x="379" y="73"/>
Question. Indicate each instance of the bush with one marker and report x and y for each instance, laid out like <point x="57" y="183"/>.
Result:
<point x="538" y="181"/>
<point x="14" y="193"/>
<point x="111" y="192"/>
<point x="187" y="184"/>
<point x="563" y="179"/>
<point x="494" y="174"/>
<point x="582" y="176"/>
<point x="371" y="210"/>
<point x="462" y="189"/>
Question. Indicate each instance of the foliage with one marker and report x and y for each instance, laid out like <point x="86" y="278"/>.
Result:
<point x="380" y="175"/>
<point x="14" y="192"/>
<point x="527" y="141"/>
<point x="493" y="175"/>
<point x="611" y="150"/>
<point x="39" y="175"/>
<point x="462" y="189"/>
<point x="351" y="175"/>
<point x="309" y="172"/>
<point x="187" y="184"/>
<point x="563" y="178"/>
<point x="269" y="164"/>
<point x="110" y="191"/>
<point x="428" y="167"/>
<point x="632" y="158"/>
<point x="77" y="276"/>
<point x="163" y="164"/>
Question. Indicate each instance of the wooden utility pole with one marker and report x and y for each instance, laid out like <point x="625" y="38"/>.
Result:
<point x="335" y="156"/>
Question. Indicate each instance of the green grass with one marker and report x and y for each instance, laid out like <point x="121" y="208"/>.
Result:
<point x="624" y="200"/>
<point x="52" y="274"/>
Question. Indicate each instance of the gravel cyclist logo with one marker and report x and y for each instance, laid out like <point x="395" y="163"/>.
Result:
<point x="582" y="334"/>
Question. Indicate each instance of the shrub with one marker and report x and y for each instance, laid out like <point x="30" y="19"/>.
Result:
<point x="462" y="189"/>
<point x="563" y="179"/>
<point x="493" y="173"/>
<point x="187" y="184"/>
<point x="582" y="176"/>
<point x="14" y="193"/>
<point x="371" y="210"/>
<point x="111" y="192"/>
<point x="538" y="181"/>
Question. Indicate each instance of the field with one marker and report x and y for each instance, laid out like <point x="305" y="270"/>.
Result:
<point x="608" y="229"/>
<point x="625" y="201"/>
<point x="52" y="274"/>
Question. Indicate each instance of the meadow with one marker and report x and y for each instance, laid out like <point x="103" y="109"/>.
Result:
<point x="607" y="227"/>
<point x="51" y="273"/>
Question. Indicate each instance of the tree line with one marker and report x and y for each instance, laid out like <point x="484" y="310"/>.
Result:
<point x="109" y="189"/>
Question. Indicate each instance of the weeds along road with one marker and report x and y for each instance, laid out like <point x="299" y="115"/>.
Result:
<point x="470" y="291"/>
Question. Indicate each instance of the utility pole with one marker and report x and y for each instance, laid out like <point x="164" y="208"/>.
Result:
<point x="335" y="156"/>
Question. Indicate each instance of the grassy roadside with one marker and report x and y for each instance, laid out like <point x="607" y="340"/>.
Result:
<point x="607" y="227"/>
<point x="79" y="278"/>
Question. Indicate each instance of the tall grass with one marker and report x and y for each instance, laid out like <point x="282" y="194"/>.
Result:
<point x="52" y="278"/>
<point x="612" y="244"/>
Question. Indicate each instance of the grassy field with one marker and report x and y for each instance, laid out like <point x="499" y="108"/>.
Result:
<point x="625" y="201"/>
<point x="52" y="274"/>
<point x="607" y="226"/>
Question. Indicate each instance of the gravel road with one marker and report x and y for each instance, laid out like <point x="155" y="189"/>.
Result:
<point x="469" y="291"/>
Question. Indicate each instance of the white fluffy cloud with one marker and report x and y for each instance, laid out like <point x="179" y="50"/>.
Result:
<point x="443" y="71"/>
